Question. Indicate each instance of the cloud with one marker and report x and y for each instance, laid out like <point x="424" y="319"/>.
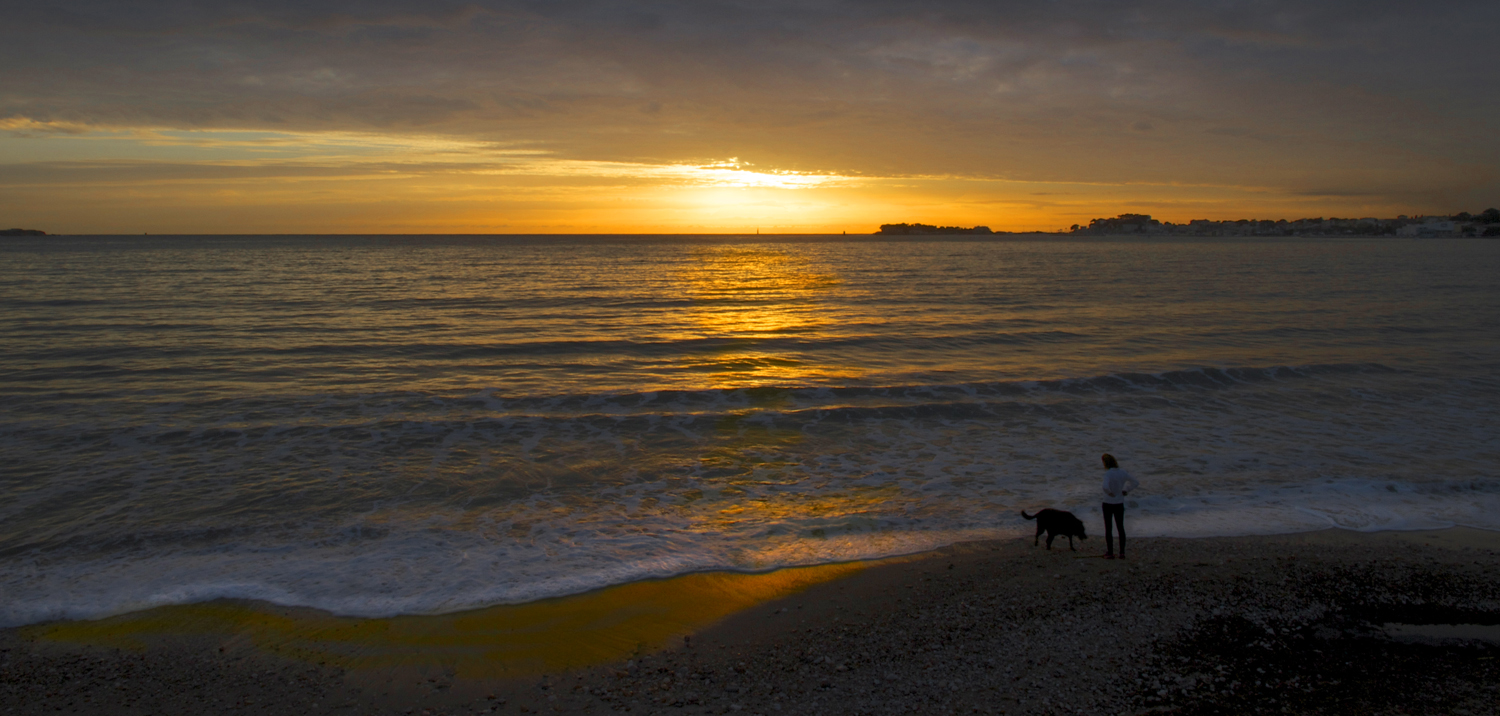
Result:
<point x="1087" y="90"/>
<point x="24" y="127"/>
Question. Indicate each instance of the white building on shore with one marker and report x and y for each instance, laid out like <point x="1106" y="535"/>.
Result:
<point x="1430" y="227"/>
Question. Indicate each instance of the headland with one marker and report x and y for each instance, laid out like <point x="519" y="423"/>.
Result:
<point x="1483" y="224"/>
<point x="930" y="230"/>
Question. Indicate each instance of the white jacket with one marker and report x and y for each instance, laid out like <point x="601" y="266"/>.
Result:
<point x="1116" y="483"/>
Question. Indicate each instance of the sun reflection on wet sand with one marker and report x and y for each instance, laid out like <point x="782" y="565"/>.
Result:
<point x="510" y="641"/>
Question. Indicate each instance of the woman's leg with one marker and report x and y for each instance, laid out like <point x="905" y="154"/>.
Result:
<point x="1109" y="531"/>
<point x="1120" y="522"/>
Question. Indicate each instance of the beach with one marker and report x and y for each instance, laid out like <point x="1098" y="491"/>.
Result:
<point x="1322" y="622"/>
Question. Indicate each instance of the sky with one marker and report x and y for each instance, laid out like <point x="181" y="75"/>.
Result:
<point x="713" y="116"/>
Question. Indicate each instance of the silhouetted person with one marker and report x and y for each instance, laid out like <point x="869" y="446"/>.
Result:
<point x="1117" y="484"/>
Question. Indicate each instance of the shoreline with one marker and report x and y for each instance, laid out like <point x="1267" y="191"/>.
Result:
<point x="994" y="627"/>
<point x="263" y="605"/>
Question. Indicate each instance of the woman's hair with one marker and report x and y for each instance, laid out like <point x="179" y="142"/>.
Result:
<point x="1109" y="461"/>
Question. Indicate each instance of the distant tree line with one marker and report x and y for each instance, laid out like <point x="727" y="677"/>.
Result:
<point x="909" y="229"/>
<point x="1488" y="216"/>
<point x="1485" y="223"/>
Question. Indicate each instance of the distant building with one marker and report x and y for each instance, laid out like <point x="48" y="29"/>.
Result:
<point x="1430" y="228"/>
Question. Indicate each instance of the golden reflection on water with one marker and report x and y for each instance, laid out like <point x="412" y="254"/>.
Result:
<point x="545" y="636"/>
<point x="752" y="291"/>
<point x="756" y="293"/>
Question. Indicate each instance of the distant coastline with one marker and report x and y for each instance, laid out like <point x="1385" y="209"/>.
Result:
<point x="928" y="230"/>
<point x="1483" y="224"/>
<point x="1464" y="224"/>
<point x="22" y="232"/>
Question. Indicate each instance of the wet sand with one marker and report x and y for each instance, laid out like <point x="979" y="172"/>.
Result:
<point x="1325" y="622"/>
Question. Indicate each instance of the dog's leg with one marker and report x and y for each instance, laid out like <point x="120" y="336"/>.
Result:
<point x="1049" y="540"/>
<point x="1070" y="543"/>
<point x="1038" y="539"/>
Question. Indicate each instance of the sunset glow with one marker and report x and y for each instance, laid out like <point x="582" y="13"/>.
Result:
<point x="499" y="117"/>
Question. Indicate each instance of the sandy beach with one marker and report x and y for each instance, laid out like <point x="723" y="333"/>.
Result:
<point x="1330" y="622"/>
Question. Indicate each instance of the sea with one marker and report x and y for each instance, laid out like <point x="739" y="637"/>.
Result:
<point x="383" y="425"/>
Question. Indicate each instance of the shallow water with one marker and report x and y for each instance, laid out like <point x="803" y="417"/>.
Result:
<point x="386" y="425"/>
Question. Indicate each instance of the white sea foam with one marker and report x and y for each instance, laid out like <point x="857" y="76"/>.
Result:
<point x="434" y="571"/>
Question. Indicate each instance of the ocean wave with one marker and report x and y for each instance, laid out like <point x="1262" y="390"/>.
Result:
<point x="1205" y="378"/>
<point x="549" y="349"/>
<point x="418" y="502"/>
<point x="343" y="414"/>
<point x="407" y="569"/>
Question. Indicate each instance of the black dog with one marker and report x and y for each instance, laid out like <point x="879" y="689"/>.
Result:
<point x="1054" y="523"/>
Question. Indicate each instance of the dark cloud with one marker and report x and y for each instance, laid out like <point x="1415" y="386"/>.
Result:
<point x="78" y="174"/>
<point x="1162" y="91"/>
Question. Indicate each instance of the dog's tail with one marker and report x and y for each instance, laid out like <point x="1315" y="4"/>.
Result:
<point x="1029" y="517"/>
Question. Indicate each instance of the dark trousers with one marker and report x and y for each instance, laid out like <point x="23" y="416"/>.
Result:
<point x="1118" y="513"/>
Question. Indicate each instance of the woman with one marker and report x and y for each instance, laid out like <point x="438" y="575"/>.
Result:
<point x="1117" y="484"/>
